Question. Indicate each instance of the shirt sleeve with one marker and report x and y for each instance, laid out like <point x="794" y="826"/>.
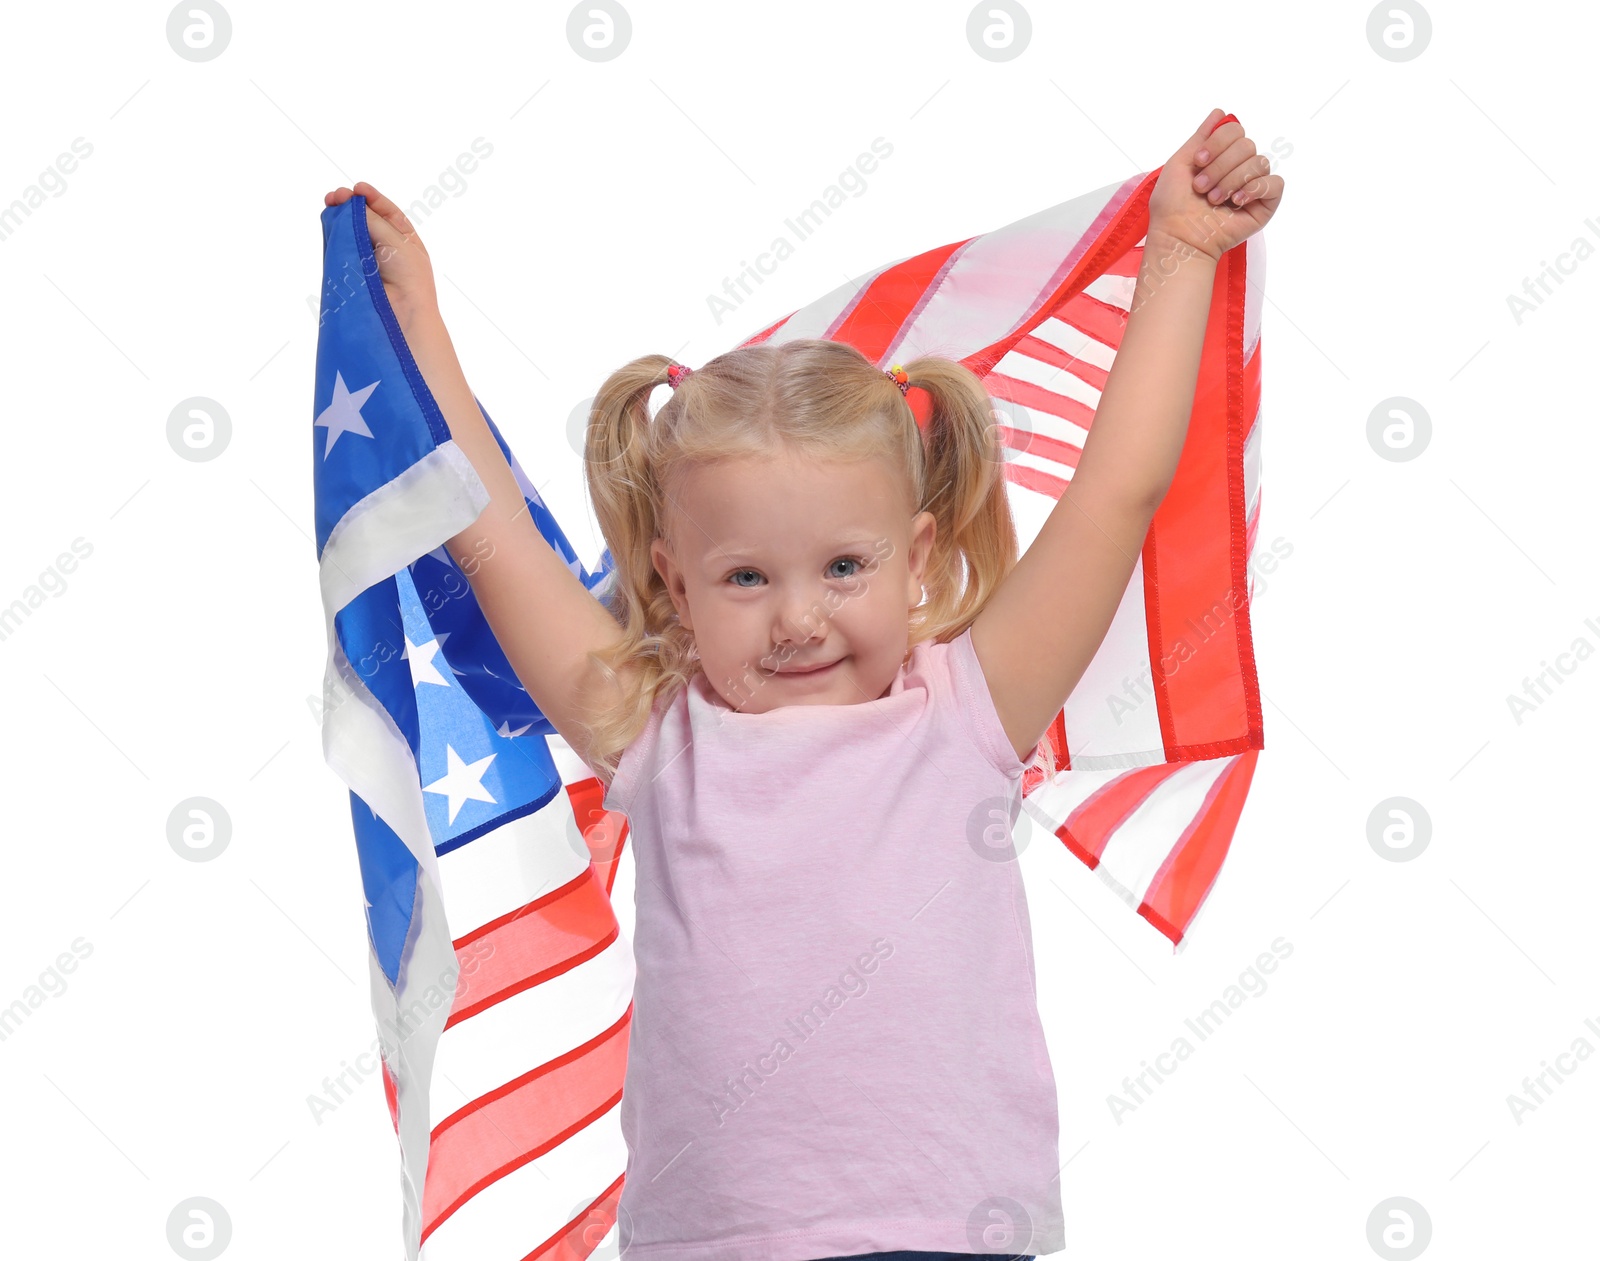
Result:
<point x="981" y="718"/>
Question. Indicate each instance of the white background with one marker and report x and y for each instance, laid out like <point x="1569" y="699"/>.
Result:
<point x="177" y="659"/>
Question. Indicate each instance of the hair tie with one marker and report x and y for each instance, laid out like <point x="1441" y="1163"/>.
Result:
<point x="897" y="374"/>
<point x="675" y="374"/>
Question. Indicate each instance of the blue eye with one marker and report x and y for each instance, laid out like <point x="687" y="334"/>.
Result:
<point x="856" y="561"/>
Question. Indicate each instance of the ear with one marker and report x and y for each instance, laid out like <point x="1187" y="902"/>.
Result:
<point x="661" y="558"/>
<point x="923" y="528"/>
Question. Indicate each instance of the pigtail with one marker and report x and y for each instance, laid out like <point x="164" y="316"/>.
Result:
<point x="975" y="545"/>
<point x="626" y="499"/>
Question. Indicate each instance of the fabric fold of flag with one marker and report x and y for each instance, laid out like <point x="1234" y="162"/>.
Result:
<point x="501" y="983"/>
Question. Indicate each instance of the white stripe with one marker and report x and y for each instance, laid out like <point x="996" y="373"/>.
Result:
<point x="513" y="1037"/>
<point x="429" y="963"/>
<point x="962" y="317"/>
<point x="1052" y="802"/>
<point x="969" y="311"/>
<point x="1255" y="261"/>
<point x="1048" y="468"/>
<point x="505" y="869"/>
<point x="1029" y="509"/>
<point x="1115" y="291"/>
<point x="1097" y="728"/>
<point x="369" y="754"/>
<point x="1054" y="799"/>
<point x="512" y="1215"/>
<point x="433" y="500"/>
<point x="1252" y="465"/>
<point x="1135" y="850"/>
<point x="816" y="318"/>
<point x="1195" y="917"/>
<point x="1076" y="342"/>
<point x="1062" y="381"/>
<point x="572" y="768"/>
<point x="1028" y="421"/>
<point x="1130" y="760"/>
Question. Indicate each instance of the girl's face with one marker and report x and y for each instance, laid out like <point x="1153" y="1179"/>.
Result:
<point x="780" y="563"/>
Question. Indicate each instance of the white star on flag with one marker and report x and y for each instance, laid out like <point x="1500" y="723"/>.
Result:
<point x="463" y="782"/>
<point x="421" y="658"/>
<point x="343" y="414"/>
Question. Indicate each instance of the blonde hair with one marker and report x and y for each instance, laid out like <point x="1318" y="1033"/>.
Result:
<point x="815" y="397"/>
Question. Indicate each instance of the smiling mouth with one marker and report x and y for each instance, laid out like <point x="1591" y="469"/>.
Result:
<point x="822" y="669"/>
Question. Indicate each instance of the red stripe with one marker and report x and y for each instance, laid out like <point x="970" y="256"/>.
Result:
<point x="1041" y="446"/>
<point x="604" y="830"/>
<point x="530" y="945"/>
<point x="1183" y="880"/>
<point x="1030" y="478"/>
<point x="520" y="1121"/>
<point x="890" y="299"/>
<point x="769" y="330"/>
<point x="1088" y="828"/>
<point x="391" y="1094"/>
<point x="1036" y="348"/>
<point x="1099" y="320"/>
<point x="1056" y="733"/>
<point x="1058" y="741"/>
<point x="1015" y="390"/>
<point x="1126" y="264"/>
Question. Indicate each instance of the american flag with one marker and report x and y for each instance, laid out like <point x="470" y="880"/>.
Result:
<point x="501" y="982"/>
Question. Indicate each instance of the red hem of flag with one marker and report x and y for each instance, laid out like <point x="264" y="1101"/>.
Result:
<point x="1239" y="425"/>
<point x="1169" y="931"/>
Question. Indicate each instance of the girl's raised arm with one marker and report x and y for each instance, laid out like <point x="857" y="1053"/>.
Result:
<point x="546" y="620"/>
<point x="1074" y="574"/>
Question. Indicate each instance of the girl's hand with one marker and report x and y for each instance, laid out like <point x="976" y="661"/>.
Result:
<point x="1215" y="191"/>
<point x="403" y="262"/>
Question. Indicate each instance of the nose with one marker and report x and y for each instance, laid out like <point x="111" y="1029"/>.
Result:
<point x="801" y="618"/>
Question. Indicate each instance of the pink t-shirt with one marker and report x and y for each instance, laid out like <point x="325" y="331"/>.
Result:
<point x="836" y="1045"/>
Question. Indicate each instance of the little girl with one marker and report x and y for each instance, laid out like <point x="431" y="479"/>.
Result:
<point x="813" y="687"/>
